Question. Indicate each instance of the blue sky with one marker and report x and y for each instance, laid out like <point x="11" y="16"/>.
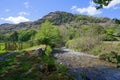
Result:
<point x="16" y="11"/>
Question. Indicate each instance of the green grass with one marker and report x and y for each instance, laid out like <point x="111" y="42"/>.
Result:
<point x="24" y="66"/>
<point x="2" y="49"/>
<point x="31" y="48"/>
<point x="2" y="46"/>
<point x="25" y="47"/>
<point x="17" y="65"/>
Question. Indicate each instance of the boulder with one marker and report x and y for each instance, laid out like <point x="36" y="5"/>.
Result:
<point x="39" y="51"/>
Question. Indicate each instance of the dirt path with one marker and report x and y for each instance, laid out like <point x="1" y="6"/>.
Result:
<point x="89" y="65"/>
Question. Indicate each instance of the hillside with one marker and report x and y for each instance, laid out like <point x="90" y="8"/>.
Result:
<point x="58" y="18"/>
<point x="34" y="50"/>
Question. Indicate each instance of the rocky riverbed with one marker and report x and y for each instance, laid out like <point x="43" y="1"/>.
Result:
<point x="86" y="65"/>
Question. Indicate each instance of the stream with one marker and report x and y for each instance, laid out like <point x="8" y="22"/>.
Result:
<point x="87" y="65"/>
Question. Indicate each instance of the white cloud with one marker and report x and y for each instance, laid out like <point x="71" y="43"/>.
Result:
<point x="7" y="10"/>
<point x="15" y="20"/>
<point x="74" y="7"/>
<point x="23" y="13"/>
<point x="92" y="3"/>
<point x="90" y="10"/>
<point x="113" y="4"/>
<point x="27" y="5"/>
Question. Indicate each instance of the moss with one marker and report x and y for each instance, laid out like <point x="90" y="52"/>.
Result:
<point x="59" y="76"/>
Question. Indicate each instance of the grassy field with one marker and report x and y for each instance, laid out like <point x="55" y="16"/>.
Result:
<point x="25" y="46"/>
<point x="2" y="46"/>
<point x="34" y="47"/>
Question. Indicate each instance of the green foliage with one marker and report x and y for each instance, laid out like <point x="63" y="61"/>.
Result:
<point x="71" y="33"/>
<point x="117" y="21"/>
<point x="111" y="57"/>
<point x="61" y="18"/>
<point x="2" y="46"/>
<point x="86" y="37"/>
<point x="102" y="3"/>
<point x="48" y="60"/>
<point x="6" y="64"/>
<point x="109" y="36"/>
<point x="83" y="19"/>
<point x="64" y="34"/>
<point x="17" y="66"/>
<point x="98" y="30"/>
<point x="14" y="36"/>
<point x="26" y="35"/>
<point x="48" y="34"/>
<point x="62" y="68"/>
<point x="48" y="50"/>
<point x="3" y="38"/>
<point x="83" y="43"/>
<point x="108" y="51"/>
<point x="24" y="66"/>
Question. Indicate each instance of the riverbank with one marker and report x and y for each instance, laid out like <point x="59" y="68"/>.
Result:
<point x="81" y="64"/>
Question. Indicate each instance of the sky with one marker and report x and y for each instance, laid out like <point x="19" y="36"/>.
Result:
<point x="16" y="11"/>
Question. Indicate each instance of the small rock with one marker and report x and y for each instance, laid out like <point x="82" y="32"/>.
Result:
<point x="40" y="67"/>
<point x="40" y="51"/>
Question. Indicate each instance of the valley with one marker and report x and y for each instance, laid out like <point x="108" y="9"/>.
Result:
<point x="61" y="46"/>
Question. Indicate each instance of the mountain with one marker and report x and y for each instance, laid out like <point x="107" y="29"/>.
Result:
<point x="58" y="18"/>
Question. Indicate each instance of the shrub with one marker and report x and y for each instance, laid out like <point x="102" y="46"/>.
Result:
<point x="103" y="56"/>
<point x="109" y="36"/>
<point x="49" y="34"/>
<point x="82" y="44"/>
<point x="26" y="35"/>
<point x="48" y="50"/>
<point x="111" y="57"/>
<point x="47" y="60"/>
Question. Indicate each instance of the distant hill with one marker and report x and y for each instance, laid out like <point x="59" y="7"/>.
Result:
<point x="58" y="18"/>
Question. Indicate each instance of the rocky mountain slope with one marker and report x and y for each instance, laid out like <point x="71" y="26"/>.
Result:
<point x="57" y="18"/>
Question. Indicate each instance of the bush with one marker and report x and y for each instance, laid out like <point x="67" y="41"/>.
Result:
<point x="103" y="57"/>
<point x="48" y="51"/>
<point x="109" y="36"/>
<point x="47" y="60"/>
<point x="110" y="57"/>
<point x="26" y="35"/>
<point x="82" y="44"/>
<point x="49" y="34"/>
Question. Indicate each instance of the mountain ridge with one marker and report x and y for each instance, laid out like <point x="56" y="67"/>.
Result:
<point x="57" y="18"/>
